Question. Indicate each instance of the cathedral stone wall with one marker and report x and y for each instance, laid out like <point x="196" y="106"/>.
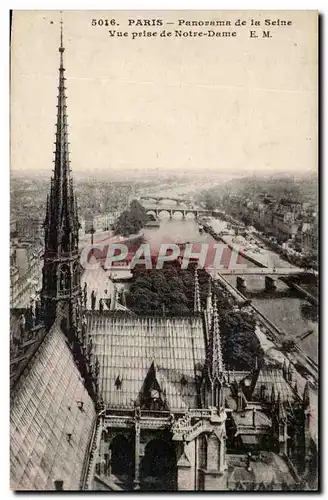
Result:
<point x="52" y="420"/>
<point x="213" y="453"/>
<point x="186" y="467"/>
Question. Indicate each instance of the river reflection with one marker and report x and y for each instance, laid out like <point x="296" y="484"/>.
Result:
<point x="176" y="231"/>
<point x="187" y="231"/>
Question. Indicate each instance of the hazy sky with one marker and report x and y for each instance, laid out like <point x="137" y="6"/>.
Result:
<point x="166" y="103"/>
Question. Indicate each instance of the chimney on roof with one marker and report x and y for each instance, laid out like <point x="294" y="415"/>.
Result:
<point x="118" y="382"/>
<point x="59" y="485"/>
<point x="80" y="405"/>
<point x="69" y="437"/>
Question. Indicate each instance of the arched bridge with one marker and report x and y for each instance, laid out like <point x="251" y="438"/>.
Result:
<point x="157" y="199"/>
<point x="156" y="210"/>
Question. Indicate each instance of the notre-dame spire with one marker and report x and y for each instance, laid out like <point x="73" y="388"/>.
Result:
<point x="62" y="234"/>
<point x="61" y="272"/>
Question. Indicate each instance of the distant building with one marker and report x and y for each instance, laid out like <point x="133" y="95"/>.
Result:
<point x="29" y="227"/>
<point x="284" y="224"/>
<point x="100" y="223"/>
<point x="307" y="236"/>
<point x="25" y="273"/>
<point x="13" y="226"/>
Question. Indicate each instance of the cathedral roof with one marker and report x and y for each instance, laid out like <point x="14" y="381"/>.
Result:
<point x="268" y="378"/>
<point x="269" y="469"/>
<point x="29" y="343"/>
<point x="246" y="419"/>
<point x="273" y="378"/>
<point x="49" y="430"/>
<point x="126" y="347"/>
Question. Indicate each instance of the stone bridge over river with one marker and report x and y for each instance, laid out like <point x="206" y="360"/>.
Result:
<point x="157" y="206"/>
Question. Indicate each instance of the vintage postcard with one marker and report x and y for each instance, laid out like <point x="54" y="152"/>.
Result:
<point x="164" y="251"/>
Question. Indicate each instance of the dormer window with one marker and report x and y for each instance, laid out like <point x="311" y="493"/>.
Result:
<point x="152" y="396"/>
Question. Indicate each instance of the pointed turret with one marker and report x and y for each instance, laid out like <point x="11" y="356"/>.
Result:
<point x="61" y="292"/>
<point x="281" y="410"/>
<point x="279" y="426"/>
<point x="284" y="369"/>
<point x="213" y="369"/>
<point x="197" y="308"/>
<point x="217" y="363"/>
<point x="273" y="396"/>
<point x="209" y="304"/>
<point x="306" y="396"/>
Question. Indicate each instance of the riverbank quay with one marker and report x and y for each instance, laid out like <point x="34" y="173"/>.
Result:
<point x="274" y="333"/>
<point x="306" y="283"/>
<point x="228" y="240"/>
<point x="292" y="259"/>
<point x="295" y="260"/>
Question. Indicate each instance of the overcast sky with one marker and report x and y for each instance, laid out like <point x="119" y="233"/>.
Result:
<point x="166" y="103"/>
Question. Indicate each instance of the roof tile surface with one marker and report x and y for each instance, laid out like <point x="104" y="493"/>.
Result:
<point x="44" y="411"/>
<point x="127" y="346"/>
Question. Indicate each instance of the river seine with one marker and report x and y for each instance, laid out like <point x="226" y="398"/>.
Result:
<point x="283" y="307"/>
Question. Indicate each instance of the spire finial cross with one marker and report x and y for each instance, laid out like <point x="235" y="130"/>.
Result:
<point x="61" y="48"/>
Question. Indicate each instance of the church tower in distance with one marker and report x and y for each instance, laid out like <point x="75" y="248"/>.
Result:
<point x="61" y="290"/>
